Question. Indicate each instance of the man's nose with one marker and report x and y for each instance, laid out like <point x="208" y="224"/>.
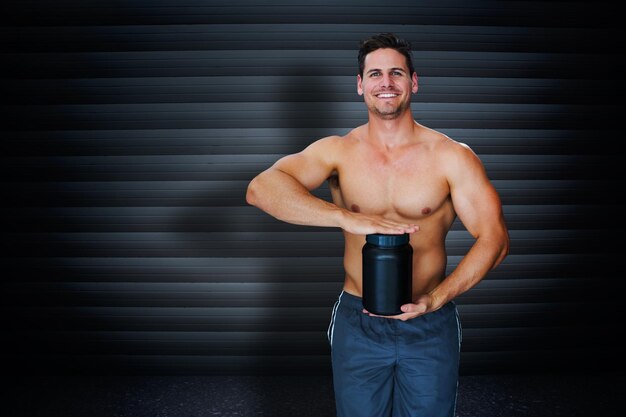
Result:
<point x="386" y="80"/>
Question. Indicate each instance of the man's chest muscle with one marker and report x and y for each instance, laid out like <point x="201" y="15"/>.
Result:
<point x="409" y="192"/>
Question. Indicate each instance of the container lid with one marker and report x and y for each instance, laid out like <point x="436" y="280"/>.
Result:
<point x="387" y="240"/>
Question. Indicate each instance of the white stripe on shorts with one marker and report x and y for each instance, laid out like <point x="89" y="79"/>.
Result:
<point x="331" y="326"/>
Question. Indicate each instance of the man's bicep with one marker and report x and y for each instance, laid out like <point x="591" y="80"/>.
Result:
<point x="475" y="199"/>
<point x="308" y="167"/>
<point x="478" y="210"/>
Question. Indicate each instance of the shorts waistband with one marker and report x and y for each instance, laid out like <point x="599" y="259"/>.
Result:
<point x="354" y="302"/>
<point x="351" y="301"/>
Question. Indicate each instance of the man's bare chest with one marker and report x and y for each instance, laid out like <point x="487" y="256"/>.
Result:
<point x="403" y="189"/>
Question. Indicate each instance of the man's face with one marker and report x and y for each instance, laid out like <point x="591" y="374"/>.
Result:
<point x="386" y="85"/>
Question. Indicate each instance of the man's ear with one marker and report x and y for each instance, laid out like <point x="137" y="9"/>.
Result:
<point x="414" y="82"/>
<point x="359" y="87"/>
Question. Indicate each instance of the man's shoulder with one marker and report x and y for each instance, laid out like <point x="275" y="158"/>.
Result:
<point x="326" y="147"/>
<point x="340" y="140"/>
<point x="352" y="135"/>
<point x="325" y="143"/>
<point x="446" y="149"/>
<point x="445" y="143"/>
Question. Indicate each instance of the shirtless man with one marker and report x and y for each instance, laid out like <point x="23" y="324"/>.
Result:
<point x="393" y="176"/>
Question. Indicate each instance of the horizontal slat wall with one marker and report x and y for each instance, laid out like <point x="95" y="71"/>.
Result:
<point x="133" y="128"/>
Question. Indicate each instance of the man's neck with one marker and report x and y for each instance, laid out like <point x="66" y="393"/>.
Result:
<point x="394" y="132"/>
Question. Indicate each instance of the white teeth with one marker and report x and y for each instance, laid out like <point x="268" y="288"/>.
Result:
<point x="386" y="95"/>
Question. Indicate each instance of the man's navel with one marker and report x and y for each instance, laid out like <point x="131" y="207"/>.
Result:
<point x="355" y="208"/>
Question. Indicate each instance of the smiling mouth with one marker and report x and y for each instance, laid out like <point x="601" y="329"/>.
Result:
<point x="387" y="95"/>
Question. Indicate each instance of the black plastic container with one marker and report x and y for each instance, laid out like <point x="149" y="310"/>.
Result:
<point x="387" y="273"/>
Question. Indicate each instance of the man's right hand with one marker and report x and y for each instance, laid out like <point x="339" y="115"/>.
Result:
<point x="365" y="224"/>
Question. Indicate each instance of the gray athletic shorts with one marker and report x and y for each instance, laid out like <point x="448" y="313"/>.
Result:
<point x="392" y="368"/>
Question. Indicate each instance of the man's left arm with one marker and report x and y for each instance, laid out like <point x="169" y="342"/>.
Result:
<point x="479" y="208"/>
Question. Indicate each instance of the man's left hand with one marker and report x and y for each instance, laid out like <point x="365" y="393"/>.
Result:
<point x="421" y="306"/>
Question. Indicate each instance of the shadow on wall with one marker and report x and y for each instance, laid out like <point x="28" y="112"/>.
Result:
<point x="276" y="335"/>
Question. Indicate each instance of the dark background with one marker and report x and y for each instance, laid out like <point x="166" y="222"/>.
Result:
<point x="132" y="128"/>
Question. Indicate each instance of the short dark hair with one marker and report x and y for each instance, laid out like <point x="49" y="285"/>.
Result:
<point x="385" y="40"/>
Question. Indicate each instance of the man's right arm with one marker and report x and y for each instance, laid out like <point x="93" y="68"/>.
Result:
<point x="283" y="191"/>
